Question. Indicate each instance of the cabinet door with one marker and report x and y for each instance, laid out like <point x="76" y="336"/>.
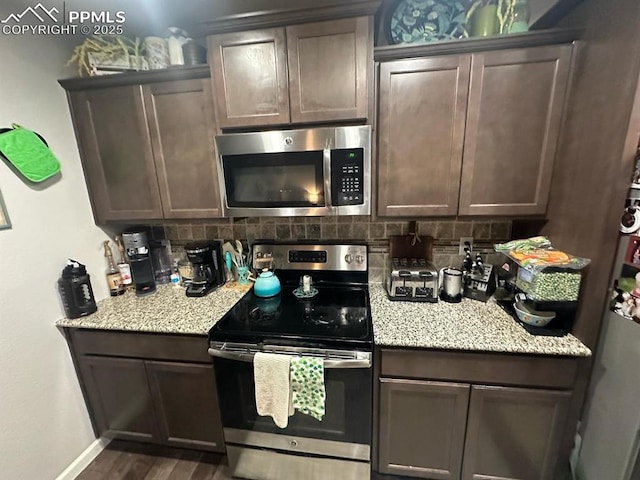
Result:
<point x="119" y="399"/>
<point x="182" y="125"/>
<point x="516" y="102"/>
<point x="249" y="74"/>
<point x="422" y="426"/>
<point x="186" y="404"/>
<point x="330" y="67"/>
<point x="513" y="433"/>
<point x="116" y="153"/>
<point x="422" y="113"/>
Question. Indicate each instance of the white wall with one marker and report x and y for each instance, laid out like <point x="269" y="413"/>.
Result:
<point x="44" y="424"/>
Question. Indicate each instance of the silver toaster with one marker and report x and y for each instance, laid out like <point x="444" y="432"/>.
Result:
<point x="412" y="280"/>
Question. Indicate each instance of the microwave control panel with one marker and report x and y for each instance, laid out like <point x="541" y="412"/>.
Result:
<point x="347" y="176"/>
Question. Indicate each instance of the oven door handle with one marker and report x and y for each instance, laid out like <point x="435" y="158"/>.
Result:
<point x="328" y="363"/>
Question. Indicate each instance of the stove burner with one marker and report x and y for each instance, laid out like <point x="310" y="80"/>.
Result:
<point x="266" y="311"/>
<point x="260" y="317"/>
<point x="327" y="316"/>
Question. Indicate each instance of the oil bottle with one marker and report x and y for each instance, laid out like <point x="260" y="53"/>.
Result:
<point x="114" y="279"/>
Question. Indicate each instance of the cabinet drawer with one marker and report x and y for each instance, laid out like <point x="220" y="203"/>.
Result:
<point x="140" y="345"/>
<point x="489" y="368"/>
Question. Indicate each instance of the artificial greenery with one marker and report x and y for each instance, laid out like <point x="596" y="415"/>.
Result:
<point x="505" y="12"/>
<point x="108" y="47"/>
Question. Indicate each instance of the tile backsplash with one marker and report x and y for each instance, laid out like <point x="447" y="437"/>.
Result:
<point x="446" y="234"/>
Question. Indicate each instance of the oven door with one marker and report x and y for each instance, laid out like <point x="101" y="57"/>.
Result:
<point x="344" y="432"/>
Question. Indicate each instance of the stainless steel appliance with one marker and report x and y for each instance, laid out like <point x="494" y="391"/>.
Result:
<point x="320" y="171"/>
<point x="137" y="246"/>
<point x="450" y="285"/>
<point x="335" y="325"/>
<point x="206" y="267"/>
<point x="412" y="279"/>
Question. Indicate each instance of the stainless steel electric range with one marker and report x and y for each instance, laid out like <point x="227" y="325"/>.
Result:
<point x="333" y="324"/>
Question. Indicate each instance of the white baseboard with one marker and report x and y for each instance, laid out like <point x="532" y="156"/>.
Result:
<point x="83" y="460"/>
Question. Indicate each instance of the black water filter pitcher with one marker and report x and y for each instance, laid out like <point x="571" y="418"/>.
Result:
<point x="75" y="289"/>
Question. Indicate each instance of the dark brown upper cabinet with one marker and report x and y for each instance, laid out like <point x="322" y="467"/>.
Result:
<point x="116" y="151"/>
<point x="249" y="74"/>
<point x="309" y="73"/>
<point x="514" y="433"/>
<point x="470" y="134"/>
<point x="516" y="102"/>
<point x="329" y="64"/>
<point x="422" y="427"/>
<point x="422" y="111"/>
<point x="147" y="144"/>
<point x="182" y="126"/>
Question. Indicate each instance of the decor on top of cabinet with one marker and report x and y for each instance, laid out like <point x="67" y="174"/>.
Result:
<point x="175" y="40"/>
<point x="482" y="19"/>
<point x="157" y="52"/>
<point x="492" y="17"/>
<point x="107" y="54"/>
<point x="424" y="21"/>
<point x="420" y="21"/>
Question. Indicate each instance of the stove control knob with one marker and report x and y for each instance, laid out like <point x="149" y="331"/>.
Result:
<point x="348" y="258"/>
<point x="259" y="254"/>
<point x="359" y="258"/>
<point x="293" y="443"/>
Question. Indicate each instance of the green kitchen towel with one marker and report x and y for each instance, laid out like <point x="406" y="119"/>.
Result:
<point x="307" y="385"/>
<point x="28" y="154"/>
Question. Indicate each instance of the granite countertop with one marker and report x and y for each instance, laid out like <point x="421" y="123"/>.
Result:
<point x="169" y="310"/>
<point x="469" y="325"/>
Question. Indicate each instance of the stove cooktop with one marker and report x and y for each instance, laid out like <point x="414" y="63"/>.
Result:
<point x="337" y="317"/>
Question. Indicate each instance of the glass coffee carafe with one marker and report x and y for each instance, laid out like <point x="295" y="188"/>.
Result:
<point x="201" y="273"/>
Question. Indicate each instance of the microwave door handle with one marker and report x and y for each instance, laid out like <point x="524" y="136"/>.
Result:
<point x="326" y="172"/>
<point x="328" y="364"/>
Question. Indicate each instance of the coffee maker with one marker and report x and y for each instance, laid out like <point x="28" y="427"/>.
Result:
<point x="136" y="245"/>
<point x="206" y="267"/>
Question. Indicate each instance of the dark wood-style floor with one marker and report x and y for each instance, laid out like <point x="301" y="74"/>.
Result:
<point x="136" y="461"/>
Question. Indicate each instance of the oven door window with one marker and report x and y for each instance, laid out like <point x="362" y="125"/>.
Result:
<point x="289" y="179"/>
<point x="347" y="409"/>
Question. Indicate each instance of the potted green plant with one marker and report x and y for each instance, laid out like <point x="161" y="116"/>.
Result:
<point x="117" y="52"/>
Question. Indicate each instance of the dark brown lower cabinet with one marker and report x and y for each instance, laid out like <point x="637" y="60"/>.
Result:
<point x="119" y="399"/>
<point x="147" y="387"/>
<point x="513" y="433"/>
<point x="473" y="416"/>
<point x="184" y="397"/>
<point x="422" y="428"/>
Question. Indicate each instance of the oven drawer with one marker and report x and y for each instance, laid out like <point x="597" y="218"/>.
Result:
<point x="485" y="368"/>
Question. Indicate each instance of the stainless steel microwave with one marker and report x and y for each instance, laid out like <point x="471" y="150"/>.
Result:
<point x="316" y="172"/>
